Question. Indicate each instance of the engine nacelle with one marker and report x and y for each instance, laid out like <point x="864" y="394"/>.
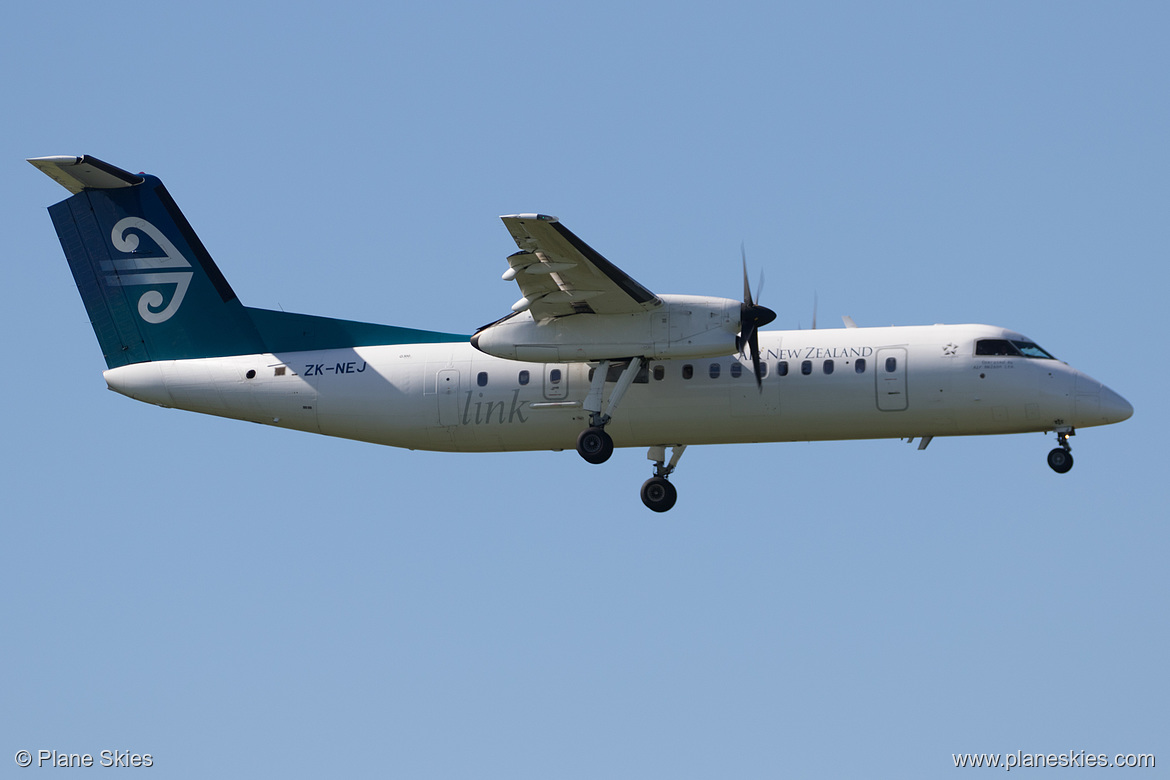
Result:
<point x="683" y="327"/>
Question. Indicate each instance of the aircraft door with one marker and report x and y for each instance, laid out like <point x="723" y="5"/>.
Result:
<point x="890" y="375"/>
<point x="556" y="382"/>
<point x="447" y="391"/>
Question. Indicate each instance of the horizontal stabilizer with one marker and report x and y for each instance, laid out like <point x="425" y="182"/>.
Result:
<point x="84" y="173"/>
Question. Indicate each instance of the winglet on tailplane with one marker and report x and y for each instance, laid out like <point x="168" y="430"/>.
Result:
<point x="153" y="292"/>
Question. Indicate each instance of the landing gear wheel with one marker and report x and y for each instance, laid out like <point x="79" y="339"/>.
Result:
<point x="1060" y="460"/>
<point x="658" y="494"/>
<point x="595" y="445"/>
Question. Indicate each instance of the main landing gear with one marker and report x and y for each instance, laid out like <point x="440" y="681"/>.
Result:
<point x="1061" y="459"/>
<point x="594" y="444"/>
<point x="657" y="493"/>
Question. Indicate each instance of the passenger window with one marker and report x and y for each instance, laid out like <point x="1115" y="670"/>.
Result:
<point x="806" y="367"/>
<point x="763" y="369"/>
<point x="859" y="366"/>
<point x="827" y="366"/>
<point x="524" y="377"/>
<point x="714" y="370"/>
<point x="782" y="368"/>
<point x="891" y="365"/>
<point x="481" y="379"/>
<point x="736" y="370"/>
<point x="554" y="375"/>
<point x="659" y="373"/>
<point x="688" y="371"/>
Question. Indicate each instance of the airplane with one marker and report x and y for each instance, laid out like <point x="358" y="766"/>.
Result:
<point x="587" y="357"/>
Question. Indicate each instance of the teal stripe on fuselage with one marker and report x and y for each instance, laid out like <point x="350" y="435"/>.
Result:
<point x="287" y="332"/>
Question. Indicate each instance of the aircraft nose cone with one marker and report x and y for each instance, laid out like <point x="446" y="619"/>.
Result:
<point x="1113" y="407"/>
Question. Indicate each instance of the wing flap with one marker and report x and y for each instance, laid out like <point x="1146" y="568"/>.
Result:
<point x="559" y="274"/>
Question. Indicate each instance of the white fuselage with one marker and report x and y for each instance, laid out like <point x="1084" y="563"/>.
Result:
<point x="914" y="381"/>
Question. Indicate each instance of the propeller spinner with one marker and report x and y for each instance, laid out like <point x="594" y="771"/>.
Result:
<point x="752" y="317"/>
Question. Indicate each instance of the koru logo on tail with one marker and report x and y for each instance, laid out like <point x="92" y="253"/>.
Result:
<point x="136" y="271"/>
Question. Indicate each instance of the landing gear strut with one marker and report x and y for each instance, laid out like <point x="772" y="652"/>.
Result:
<point x="594" y="444"/>
<point x="657" y="493"/>
<point x="1061" y="459"/>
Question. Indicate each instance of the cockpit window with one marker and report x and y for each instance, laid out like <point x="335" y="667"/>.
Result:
<point x="995" y="347"/>
<point x="1005" y="348"/>
<point x="1028" y="349"/>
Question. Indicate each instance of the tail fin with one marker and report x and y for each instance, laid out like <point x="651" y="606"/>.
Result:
<point x="150" y="287"/>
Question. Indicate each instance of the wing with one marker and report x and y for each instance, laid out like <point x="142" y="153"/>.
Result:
<point x="559" y="274"/>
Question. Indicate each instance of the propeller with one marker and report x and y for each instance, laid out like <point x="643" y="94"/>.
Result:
<point x="752" y="317"/>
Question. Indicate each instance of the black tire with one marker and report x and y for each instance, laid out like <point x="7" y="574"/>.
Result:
<point x="1060" y="460"/>
<point x="658" y="494"/>
<point x="594" y="445"/>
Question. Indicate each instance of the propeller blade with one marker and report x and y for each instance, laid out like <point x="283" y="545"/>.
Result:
<point x="754" y="343"/>
<point x="752" y="317"/>
<point x="745" y="333"/>
<point x="747" y="289"/>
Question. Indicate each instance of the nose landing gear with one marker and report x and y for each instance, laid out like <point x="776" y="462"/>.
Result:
<point x="1060" y="459"/>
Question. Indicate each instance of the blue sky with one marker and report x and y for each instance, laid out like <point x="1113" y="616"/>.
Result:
<point x="235" y="599"/>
